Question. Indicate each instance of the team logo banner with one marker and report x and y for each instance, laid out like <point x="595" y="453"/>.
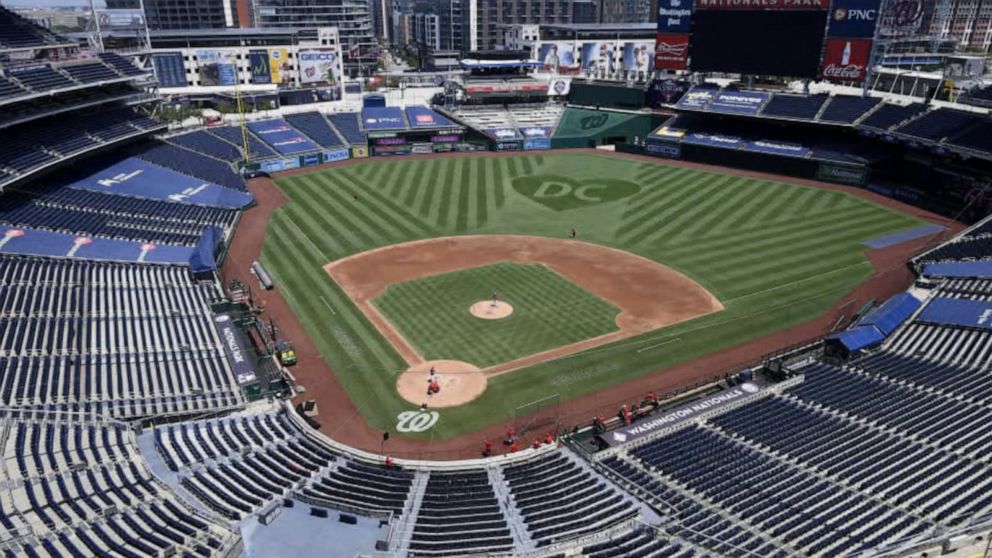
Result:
<point x="846" y="59"/>
<point x="762" y="4"/>
<point x="674" y="16"/>
<point x="258" y="61"/>
<point x="671" y="52"/>
<point x="854" y="18"/>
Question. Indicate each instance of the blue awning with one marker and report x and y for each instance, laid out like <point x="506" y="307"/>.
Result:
<point x="859" y="338"/>
<point x="893" y="312"/>
<point x="203" y="259"/>
<point x="959" y="269"/>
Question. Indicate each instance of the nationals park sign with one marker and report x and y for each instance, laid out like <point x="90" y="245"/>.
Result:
<point x="680" y="414"/>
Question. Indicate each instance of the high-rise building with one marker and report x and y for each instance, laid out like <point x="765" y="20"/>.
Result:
<point x="191" y="14"/>
<point x="353" y="18"/>
<point x="968" y="23"/>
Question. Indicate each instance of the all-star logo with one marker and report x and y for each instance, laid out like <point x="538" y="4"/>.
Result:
<point x="561" y="193"/>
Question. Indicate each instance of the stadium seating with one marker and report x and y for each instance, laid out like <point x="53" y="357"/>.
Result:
<point x="938" y="124"/>
<point x="90" y="72"/>
<point x="459" y="514"/>
<point x="41" y="78"/>
<point x="315" y="127"/>
<point x="889" y="115"/>
<point x="124" y="340"/>
<point x="347" y="124"/>
<point x="121" y="65"/>
<point x="9" y="88"/>
<point x="232" y="135"/>
<point x="81" y="489"/>
<point x="558" y="500"/>
<point x="783" y="105"/>
<point x="848" y="109"/>
<point x="193" y="164"/>
<point x="978" y="138"/>
<point x="207" y="144"/>
<point x="18" y="32"/>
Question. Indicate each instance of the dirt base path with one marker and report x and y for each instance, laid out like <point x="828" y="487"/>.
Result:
<point x="649" y="295"/>
<point x="341" y="420"/>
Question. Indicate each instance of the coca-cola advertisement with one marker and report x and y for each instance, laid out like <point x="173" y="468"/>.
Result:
<point x="846" y="59"/>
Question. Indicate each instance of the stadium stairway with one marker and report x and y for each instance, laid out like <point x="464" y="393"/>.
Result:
<point x="344" y="141"/>
<point x="518" y="528"/>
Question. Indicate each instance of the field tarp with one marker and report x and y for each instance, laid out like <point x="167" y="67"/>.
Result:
<point x="958" y="312"/>
<point x="136" y="178"/>
<point x="959" y="269"/>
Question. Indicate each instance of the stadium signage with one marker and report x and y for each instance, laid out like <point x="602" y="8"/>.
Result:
<point x="762" y="4"/>
<point x="671" y="51"/>
<point x="670" y="150"/>
<point x="696" y="98"/>
<point x="854" y="18"/>
<point x="681" y="414"/>
<point x="739" y="102"/>
<point x="234" y="348"/>
<point x="846" y="59"/>
<point x="674" y="16"/>
<point x="845" y="175"/>
<point x="119" y="178"/>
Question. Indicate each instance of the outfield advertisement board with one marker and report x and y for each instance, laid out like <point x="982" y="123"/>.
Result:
<point x="713" y="140"/>
<point x="762" y="4"/>
<point x="854" y="18"/>
<point x="258" y="62"/>
<point x="777" y="148"/>
<point x="320" y="66"/>
<point x="671" y="51"/>
<point x="846" y="59"/>
<point x="674" y="16"/>
<point x="336" y="155"/>
<point x="508" y="146"/>
<point x="842" y="174"/>
<point x="215" y="67"/>
<point x="680" y="414"/>
<point x="664" y="149"/>
<point x="739" y="102"/>
<point x="697" y="98"/>
<point x="536" y="144"/>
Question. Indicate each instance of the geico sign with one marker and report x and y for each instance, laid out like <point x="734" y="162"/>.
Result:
<point x="317" y="56"/>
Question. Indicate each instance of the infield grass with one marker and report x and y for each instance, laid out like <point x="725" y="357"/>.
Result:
<point x="775" y="255"/>
<point x="548" y="311"/>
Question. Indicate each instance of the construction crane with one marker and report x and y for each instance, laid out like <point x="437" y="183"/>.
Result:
<point x="242" y="121"/>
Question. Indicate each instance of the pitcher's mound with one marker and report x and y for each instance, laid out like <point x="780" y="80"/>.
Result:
<point x="460" y="383"/>
<point x="484" y="309"/>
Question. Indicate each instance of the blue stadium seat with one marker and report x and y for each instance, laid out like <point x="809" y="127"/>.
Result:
<point x="848" y="109"/>
<point x="784" y="105"/>
<point x="315" y="127"/>
<point x="347" y="124"/>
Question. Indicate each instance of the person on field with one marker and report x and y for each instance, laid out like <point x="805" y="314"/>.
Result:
<point x="572" y="233"/>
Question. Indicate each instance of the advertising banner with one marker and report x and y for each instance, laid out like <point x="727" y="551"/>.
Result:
<point x="120" y="20"/>
<point x="668" y="133"/>
<point x="670" y="150"/>
<point x="854" y="18"/>
<point x="739" y="102"/>
<point x="359" y="152"/>
<point x="671" y="51"/>
<point x="697" y="98"/>
<point x="680" y="414"/>
<point x="279" y="66"/>
<point x="235" y="349"/>
<point x="507" y="146"/>
<point x="258" y="62"/>
<point x="535" y="132"/>
<point x="777" y="148"/>
<point x="319" y="66"/>
<point x="846" y="59"/>
<point x="503" y="133"/>
<point x="422" y="148"/>
<point x="280" y="135"/>
<point x="637" y="56"/>
<point x="762" y="4"/>
<point x="392" y="149"/>
<point x="713" y="140"/>
<point x="383" y="118"/>
<point x="856" y="176"/>
<point x="674" y="16"/>
<point x="557" y="56"/>
<point x="598" y="57"/>
<point x="336" y="155"/>
<point x="559" y="86"/>
<point x="533" y="144"/>
<point x="215" y="67"/>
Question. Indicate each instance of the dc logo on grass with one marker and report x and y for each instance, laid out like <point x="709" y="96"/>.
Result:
<point x="416" y="421"/>
<point x="561" y="193"/>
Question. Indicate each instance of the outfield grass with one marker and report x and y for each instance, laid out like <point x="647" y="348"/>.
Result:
<point x="774" y="254"/>
<point x="548" y="311"/>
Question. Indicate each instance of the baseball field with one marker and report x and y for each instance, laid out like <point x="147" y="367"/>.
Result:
<point x="382" y="261"/>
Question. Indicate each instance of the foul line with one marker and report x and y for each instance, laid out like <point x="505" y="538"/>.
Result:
<point x="803" y="280"/>
<point x="312" y="243"/>
<point x="328" y="305"/>
<point x="656" y="345"/>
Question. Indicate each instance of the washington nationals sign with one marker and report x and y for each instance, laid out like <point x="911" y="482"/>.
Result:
<point x="416" y="421"/>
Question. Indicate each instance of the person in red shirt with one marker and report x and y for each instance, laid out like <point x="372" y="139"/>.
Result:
<point x="536" y="444"/>
<point x="513" y="447"/>
<point x="389" y="462"/>
<point x="549" y="439"/>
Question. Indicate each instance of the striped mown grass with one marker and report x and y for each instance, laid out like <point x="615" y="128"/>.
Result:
<point x="548" y="311"/>
<point x="775" y="254"/>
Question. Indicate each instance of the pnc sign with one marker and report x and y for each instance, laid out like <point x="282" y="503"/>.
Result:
<point x="561" y="193"/>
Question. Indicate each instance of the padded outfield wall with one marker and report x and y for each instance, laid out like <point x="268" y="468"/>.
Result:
<point x="580" y="127"/>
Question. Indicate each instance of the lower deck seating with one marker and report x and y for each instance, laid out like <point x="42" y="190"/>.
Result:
<point x="459" y="514"/>
<point x="82" y="489"/>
